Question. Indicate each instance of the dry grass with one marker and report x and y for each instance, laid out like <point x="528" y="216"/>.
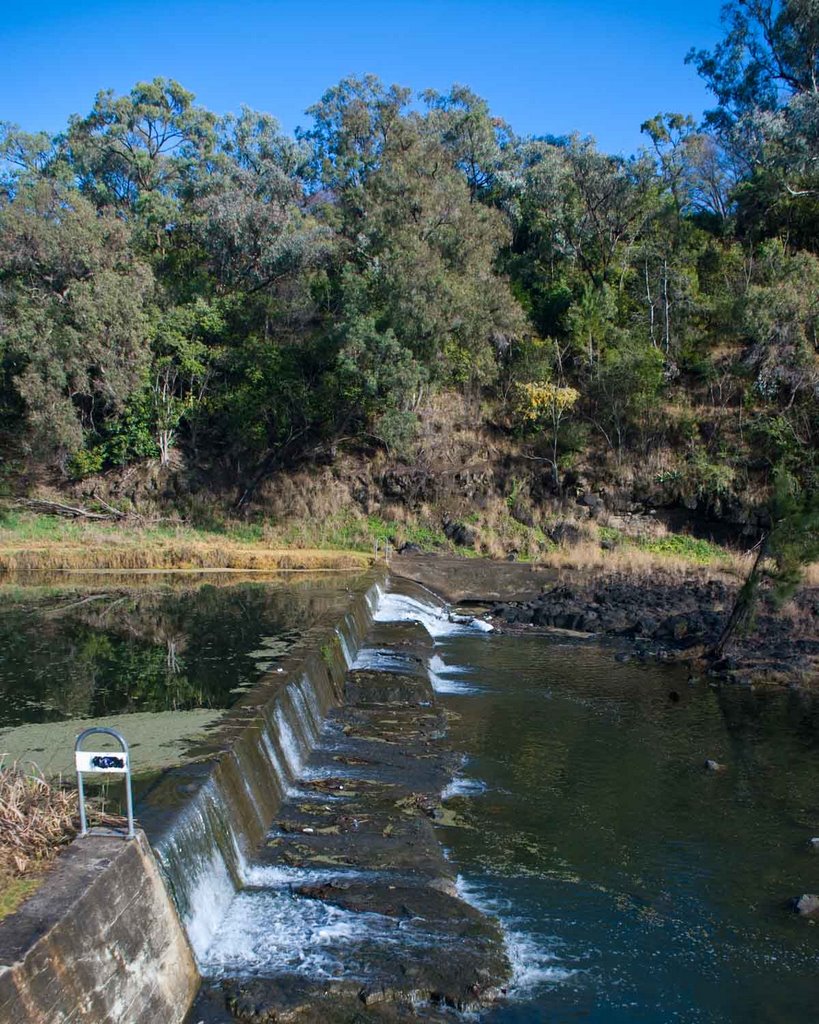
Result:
<point x="812" y="575"/>
<point x="588" y="556"/>
<point x="30" y="542"/>
<point x="38" y="818"/>
<point x="131" y="554"/>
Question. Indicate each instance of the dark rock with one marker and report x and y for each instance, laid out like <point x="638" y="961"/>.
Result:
<point x="675" y="627"/>
<point x="645" y="626"/>
<point x="461" y="534"/>
<point x="410" y="549"/>
<point x="591" y="501"/>
<point x="565" y="533"/>
<point x="622" y="657"/>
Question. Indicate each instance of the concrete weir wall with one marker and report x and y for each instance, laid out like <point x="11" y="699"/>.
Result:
<point x="113" y="934"/>
<point x="99" y="942"/>
<point x="205" y="819"/>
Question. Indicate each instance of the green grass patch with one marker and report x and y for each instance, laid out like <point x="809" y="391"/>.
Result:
<point x="14" y="890"/>
<point x="680" y="545"/>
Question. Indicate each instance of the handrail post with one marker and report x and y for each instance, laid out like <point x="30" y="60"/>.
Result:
<point x="91" y="762"/>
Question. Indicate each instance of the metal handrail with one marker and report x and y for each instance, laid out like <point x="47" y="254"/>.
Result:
<point x="103" y="762"/>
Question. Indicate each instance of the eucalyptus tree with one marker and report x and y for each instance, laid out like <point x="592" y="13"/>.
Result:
<point x="73" y="323"/>
<point x="416" y="254"/>
<point x="139" y="153"/>
<point x="765" y="76"/>
<point x="480" y="145"/>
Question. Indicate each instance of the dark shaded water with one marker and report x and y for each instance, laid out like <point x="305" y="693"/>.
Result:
<point x="635" y="885"/>
<point x="96" y="650"/>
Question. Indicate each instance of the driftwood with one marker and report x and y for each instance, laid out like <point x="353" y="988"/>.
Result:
<point x="58" y="508"/>
<point x="104" y="513"/>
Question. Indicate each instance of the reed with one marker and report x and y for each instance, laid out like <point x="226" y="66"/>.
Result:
<point x="37" y="817"/>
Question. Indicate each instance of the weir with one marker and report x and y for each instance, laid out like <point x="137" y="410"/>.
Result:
<point x="298" y="844"/>
<point x="205" y="818"/>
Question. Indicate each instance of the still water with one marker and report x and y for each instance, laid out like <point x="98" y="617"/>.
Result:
<point x="152" y="644"/>
<point x="634" y="885"/>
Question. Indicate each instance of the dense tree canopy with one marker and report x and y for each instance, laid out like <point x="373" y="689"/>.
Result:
<point x="173" y="279"/>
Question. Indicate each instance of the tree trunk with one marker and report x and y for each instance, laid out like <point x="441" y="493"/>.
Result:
<point x="744" y="603"/>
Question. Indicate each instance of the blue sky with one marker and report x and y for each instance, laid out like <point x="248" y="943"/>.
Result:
<point x="547" y="66"/>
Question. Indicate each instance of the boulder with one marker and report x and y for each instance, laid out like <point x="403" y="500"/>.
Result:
<point x="459" y="533"/>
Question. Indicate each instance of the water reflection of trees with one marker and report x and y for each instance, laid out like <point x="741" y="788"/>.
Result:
<point x="87" y="655"/>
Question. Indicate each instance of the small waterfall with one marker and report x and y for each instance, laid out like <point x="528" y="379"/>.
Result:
<point x="275" y="761"/>
<point x="204" y="818"/>
<point x="289" y="744"/>
<point x="437" y="619"/>
<point x="444" y="678"/>
<point x="349" y="658"/>
<point x="314" y="713"/>
<point x="203" y="864"/>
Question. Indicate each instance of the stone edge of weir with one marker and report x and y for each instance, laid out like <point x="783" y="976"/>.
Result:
<point x="103" y="939"/>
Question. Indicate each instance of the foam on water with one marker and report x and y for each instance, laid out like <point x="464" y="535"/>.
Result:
<point x="533" y="964"/>
<point x="434" y="618"/>
<point x="440" y="675"/>
<point x="270" y="876"/>
<point x="463" y="787"/>
<point x="267" y="931"/>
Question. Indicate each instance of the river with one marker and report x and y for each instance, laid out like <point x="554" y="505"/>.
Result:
<point x="634" y="885"/>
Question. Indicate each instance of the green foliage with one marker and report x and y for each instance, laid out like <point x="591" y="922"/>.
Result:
<point x="693" y="549"/>
<point x="173" y="280"/>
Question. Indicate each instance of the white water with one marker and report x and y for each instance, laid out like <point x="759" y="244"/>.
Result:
<point x="441" y="677"/>
<point x="289" y="744"/>
<point x="271" y="930"/>
<point x="210" y="896"/>
<point x="202" y="868"/>
<point x="533" y="965"/>
<point x="434" y="618"/>
<point x="463" y="787"/>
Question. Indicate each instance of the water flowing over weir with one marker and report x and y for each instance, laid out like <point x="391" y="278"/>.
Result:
<point x="205" y="819"/>
<point x="302" y="854"/>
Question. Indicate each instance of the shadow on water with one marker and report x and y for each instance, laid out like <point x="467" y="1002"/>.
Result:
<point x="635" y="885"/>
